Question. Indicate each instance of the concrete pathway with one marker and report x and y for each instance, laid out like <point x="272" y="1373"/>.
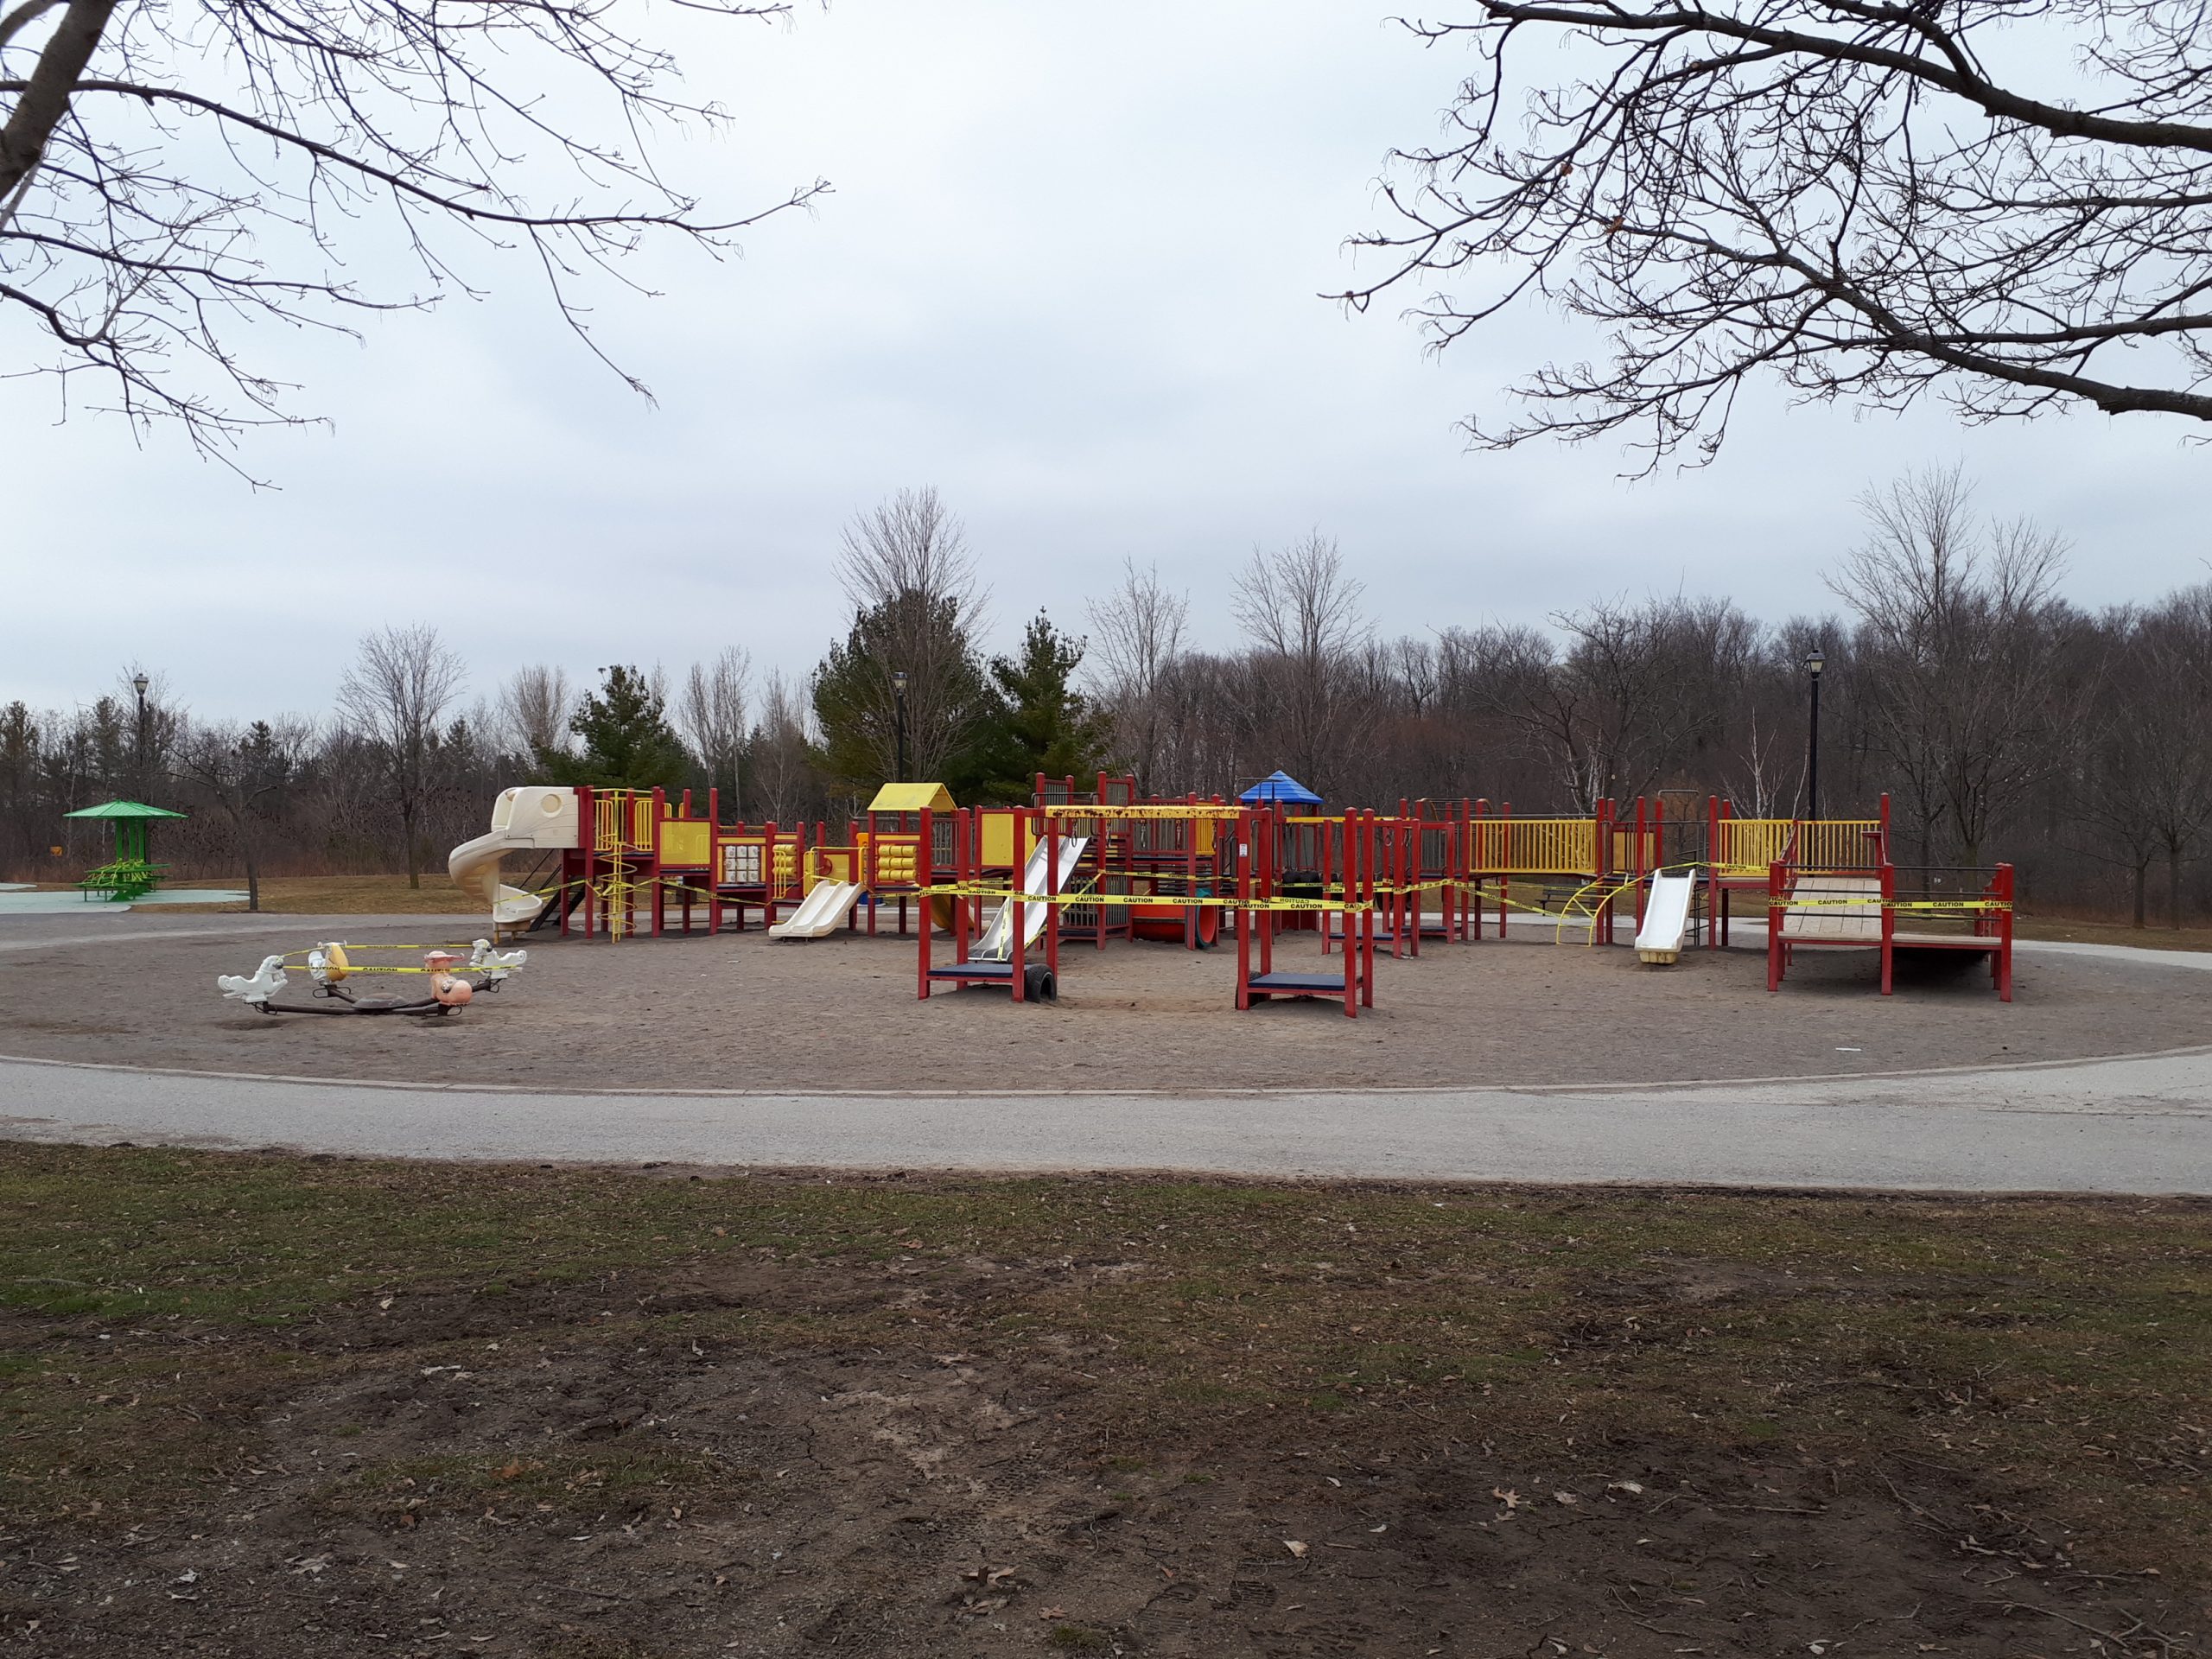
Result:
<point x="2139" y="1125"/>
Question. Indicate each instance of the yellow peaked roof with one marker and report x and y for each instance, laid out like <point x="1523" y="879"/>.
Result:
<point x="912" y="797"/>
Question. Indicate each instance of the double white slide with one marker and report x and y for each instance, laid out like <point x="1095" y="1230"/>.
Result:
<point x="996" y="945"/>
<point x="821" y="913"/>
<point x="1666" y="917"/>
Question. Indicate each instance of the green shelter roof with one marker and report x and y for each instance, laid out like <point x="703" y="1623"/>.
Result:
<point x="123" y="809"/>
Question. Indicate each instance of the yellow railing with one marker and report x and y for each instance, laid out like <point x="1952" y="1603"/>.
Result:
<point x="1837" y="844"/>
<point x="622" y="821"/>
<point x="1535" y="846"/>
<point x="1747" y="846"/>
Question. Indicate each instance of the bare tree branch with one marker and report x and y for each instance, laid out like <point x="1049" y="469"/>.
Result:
<point x="167" y="179"/>
<point x="1839" y="195"/>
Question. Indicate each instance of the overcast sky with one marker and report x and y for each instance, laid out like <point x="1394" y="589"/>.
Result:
<point x="1068" y="277"/>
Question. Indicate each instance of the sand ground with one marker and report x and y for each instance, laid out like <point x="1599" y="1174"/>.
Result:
<point x="736" y="1012"/>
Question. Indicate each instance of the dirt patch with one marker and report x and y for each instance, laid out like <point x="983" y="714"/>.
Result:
<point x="736" y="1012"/>
<point x="262" y="1405"/>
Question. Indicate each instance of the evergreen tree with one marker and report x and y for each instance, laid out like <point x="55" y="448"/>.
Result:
<point x="627" y="741"/>
<point x="1042" y="723"/>
<point x="949" y="700"/>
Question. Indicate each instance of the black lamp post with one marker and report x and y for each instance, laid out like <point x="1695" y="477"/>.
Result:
<point x="1813" y="662"/>
<point x="138" y="683"/>
<point x="898" y="720"/>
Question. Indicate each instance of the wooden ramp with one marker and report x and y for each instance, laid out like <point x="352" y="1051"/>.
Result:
<point x="1834" y="909"/>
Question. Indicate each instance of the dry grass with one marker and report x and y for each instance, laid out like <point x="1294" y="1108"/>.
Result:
<point x="349" y="895"/>
<point x="700" y="1408"/>
<point x="2073" y="932"/>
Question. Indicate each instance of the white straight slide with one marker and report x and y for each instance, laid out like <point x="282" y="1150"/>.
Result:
<point x="1666" y="919"/>
<point x="822" y="912"/>
<point x="995" y="945"/>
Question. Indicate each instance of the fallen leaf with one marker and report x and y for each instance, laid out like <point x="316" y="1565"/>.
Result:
<point x="1053" y="1612"/>
<point x="511" y="1469"/>
<point x="1000" y="1575"/>
<point x="1506" y="1496"/>
<point x="1567" y="1498"/>
<point x="1294" y="1548"/>
<point x="1633" y="1488"/>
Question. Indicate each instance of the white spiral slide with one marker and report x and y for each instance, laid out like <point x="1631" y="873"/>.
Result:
<point x="532" y="817"/>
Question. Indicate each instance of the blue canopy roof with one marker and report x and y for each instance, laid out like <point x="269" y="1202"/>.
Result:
<point x="1280" y="786"/>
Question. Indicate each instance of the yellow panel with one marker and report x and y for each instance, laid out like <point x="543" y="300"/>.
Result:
<point x="912" y="797"/>
<point x="995" y="835"/>
<point x="685" y="840"/>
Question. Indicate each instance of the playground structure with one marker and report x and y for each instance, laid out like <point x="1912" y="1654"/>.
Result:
<point x="1847" y="908"/>
<point x="131" y="873"/>
<point x="1093" y="863"/>
<point x="609" y="863"/>
<point x="448" y="989"/>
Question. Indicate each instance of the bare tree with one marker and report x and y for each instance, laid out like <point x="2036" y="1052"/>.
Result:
<point x="240" y="770"/>
<point x="535" y="706"/>
<point x="394" y="696"/>
<point x="164" y="182"/>
<point x="156" y="725"/>
<point x="1636" y="697"/>
<point x="1653" y="682"/>
<point x="1301" y="608"/>
<point x="781" y="757"/>
<point x="1869" y="201"/>
<point x="712" y="714"/>
<point x="1959" y="647"/>
<point x="2151" y="772"/>
<point x="1138" y="634"/>
<point x="905" y="566"/>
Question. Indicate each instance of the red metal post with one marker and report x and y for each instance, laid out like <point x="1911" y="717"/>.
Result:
<point x="1367" y="954"/>
<point x="1052" y="892"/>
<point x="653" y="884"/>
<point x="1240" y="850"/>
<point x="924" y="930"/>
<point x="2004" y="887"/>
<point x="1774" y="913"/>
<point x="1018" y="940"/>
<point x="1351" y="925"/>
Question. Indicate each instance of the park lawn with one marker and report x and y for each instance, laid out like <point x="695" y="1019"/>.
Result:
<point x="1836" y="1399"/>
<point x="2156" y="936"/>
<point x="350" y="895"/>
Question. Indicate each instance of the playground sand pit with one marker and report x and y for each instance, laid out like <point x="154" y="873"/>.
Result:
<point x="737" y="1012"/>
<point x="278" y="1406"/>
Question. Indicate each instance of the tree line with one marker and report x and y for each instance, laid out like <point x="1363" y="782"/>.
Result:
<point x="2003" y="721"/>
